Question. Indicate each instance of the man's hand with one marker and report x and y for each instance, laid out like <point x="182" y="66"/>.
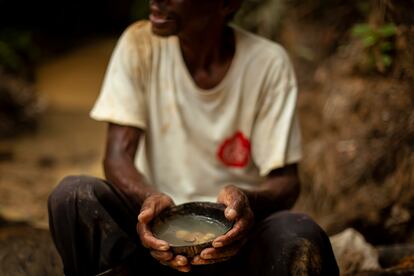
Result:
<point x="151" y="208"/>
<point x="228" y="245"/>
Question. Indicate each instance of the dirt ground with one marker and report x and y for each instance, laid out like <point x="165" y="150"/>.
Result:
<point x="66" y="142"/>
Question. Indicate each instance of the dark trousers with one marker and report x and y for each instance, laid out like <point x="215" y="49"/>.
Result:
<point x="94" y="229"/>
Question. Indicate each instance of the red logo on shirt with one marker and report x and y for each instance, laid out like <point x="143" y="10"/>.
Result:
<point x="235" y="151"/>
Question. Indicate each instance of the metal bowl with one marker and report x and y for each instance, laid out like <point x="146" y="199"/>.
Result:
<point x="210" y="211"/>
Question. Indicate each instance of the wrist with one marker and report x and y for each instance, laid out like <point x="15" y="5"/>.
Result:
<point x="146" y="193"/>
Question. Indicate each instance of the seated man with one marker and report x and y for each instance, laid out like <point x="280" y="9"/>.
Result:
<point x="210" y="109"/>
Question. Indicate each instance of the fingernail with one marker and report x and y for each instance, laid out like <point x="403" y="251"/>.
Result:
<point x="140" y="217"/>
<point x="164" y="247"/>
<point x="217" y="244"/>
<point x="206" y="256"/>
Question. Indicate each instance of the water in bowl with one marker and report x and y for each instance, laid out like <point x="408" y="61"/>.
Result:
<point x="189" y="230"/>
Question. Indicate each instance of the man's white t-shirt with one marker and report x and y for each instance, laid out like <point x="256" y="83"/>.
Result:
<point x="196" y="140"/>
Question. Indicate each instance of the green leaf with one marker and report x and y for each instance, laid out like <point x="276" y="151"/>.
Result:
<point x="386" y="46"/>
<point x="369" y="40"/>
<point x="8" y="57"/>
<point x="363" y="7"/>
<point x="387" y="30"/>
<point x="15" y="45"/>
<point x="23" y="40"/>
<point x="386" y="60"/>
<point x="361" y="30"/>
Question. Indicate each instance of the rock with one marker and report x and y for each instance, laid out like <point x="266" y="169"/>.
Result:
<point x="353" y="253"/>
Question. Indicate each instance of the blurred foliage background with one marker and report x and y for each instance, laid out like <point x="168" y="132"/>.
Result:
<point x="32" y="29"/>
<point x="32" y="32"/>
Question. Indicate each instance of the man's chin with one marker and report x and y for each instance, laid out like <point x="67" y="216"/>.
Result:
<point x="162" y="32"/>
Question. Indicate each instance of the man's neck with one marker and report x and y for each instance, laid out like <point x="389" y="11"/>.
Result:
<point x="208" y="55"/>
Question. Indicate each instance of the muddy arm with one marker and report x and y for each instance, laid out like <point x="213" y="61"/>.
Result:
<point x="279" y="192"/>
<point x="119" y="167"/>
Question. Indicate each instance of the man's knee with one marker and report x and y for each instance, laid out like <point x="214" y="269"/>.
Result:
<point x="305" y="258"/>
<point x="302" y="241"/>
<point x="295" y="229"/>
<point x="288" y="224"/>
<point x="70" y="190"/>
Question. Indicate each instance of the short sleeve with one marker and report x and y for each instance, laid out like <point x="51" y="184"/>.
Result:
<point x="276" y="137"/>
<point x="122" y="97"/>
